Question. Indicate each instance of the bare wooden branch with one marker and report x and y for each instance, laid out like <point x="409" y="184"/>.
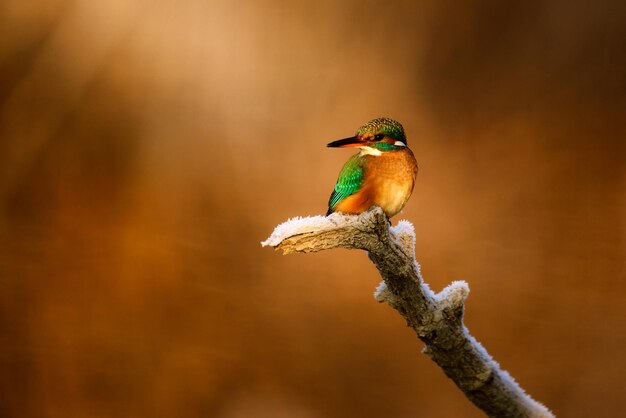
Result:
<point x="436" y="318"/>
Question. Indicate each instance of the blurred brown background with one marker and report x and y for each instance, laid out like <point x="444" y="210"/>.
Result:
<point x="147" y="147"/>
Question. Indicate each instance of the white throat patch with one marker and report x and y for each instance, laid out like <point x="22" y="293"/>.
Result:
<point x="370" y="151"/>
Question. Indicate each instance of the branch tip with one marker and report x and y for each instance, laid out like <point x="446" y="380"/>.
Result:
<point x="382" y="294"/>
<point x="404" y="233"/>
<point x="453" y="296"/>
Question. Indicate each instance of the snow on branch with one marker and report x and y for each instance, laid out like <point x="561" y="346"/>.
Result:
<point x="437" y="319"/>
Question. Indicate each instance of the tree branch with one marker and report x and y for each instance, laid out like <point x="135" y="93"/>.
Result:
<point x="436" y="318"/>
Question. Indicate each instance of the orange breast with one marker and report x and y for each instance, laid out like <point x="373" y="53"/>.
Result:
<point x="356" y="203"/>
<point x="390" y="179"/>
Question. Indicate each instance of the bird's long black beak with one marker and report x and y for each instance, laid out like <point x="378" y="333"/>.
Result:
<point x="353" y="141"/>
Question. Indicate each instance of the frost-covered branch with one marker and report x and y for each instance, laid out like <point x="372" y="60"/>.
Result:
<point x="436" y="318"/>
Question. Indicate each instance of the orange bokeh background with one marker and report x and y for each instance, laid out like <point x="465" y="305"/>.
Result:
<point x="146" y="148"/>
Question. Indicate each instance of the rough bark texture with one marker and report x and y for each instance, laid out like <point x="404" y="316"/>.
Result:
<point x="436" y="318"/>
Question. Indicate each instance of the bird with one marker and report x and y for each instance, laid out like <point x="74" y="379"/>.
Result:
<point x="382" y="173"/>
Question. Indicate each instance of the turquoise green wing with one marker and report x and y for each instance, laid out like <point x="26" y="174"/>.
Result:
<point x="349" y="182"/>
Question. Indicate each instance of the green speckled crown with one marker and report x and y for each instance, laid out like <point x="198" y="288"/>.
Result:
<point x="386" y="126"/>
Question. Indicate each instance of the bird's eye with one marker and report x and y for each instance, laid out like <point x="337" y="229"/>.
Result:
<point x="379" y="137"/>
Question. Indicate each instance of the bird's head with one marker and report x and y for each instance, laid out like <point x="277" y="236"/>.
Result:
<point x="375" y="137"/>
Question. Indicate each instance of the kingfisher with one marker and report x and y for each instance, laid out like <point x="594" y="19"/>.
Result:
<point x="382" y="173"/>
